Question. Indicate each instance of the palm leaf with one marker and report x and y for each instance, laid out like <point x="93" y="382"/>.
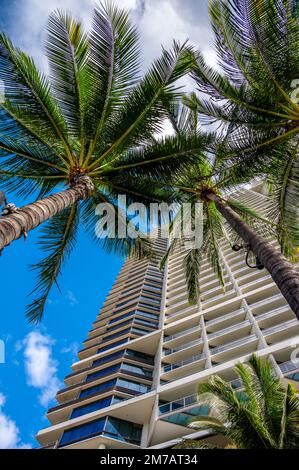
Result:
<point x="67" y="48"/>
<point x="113" y="67"/>
<point x="28" y="95"/>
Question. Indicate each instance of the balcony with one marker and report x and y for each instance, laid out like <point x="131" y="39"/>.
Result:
<point x="107" y="427"/>
<point x="230" y="329"/>
<point x="226" y="319"/>
<point x="171" y="309"/>
<point x="229" y="347"/>
<point x="182" y="347"/>
<point x="181" y="314"/>
<point x="273" y="313"/>
<point x="219" y="299"/>
<point x="289" y="366"/>
<point x="216" y="290"/>
<point x="194" y="329"/>
<point x="260" y="305"/>
<point x="282" y="331"/>
<point x="189" y="400"/>
<point x="257" y="283"/>
<point x="184" y="362"/>
<point x="175" y="298"/>
<point x="133" y="356"/>
<point x="126" y="387"/>
<point x="275" y="317"/>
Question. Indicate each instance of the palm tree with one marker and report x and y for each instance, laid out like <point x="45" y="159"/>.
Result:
<point x="262" y="414"/>
<point x="255" y="93"/>
<point x="89" y="126"/>
<point x="252" y="96"/>
<point x="204" y="182"/>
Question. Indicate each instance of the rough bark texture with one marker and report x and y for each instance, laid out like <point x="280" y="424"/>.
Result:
<point x="28" y="217"/>
<point x="282" y="272"/>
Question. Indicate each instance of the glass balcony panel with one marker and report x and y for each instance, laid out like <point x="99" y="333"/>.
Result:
<point x="110" y="427"/>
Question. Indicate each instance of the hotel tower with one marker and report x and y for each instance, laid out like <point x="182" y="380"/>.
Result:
<point x="134" y="384"/>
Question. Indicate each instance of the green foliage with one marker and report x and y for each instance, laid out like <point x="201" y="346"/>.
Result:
<point x="94" y="114"/>
<point x="262" y="414"/>
<point x="252" y="97"/>
<point x="205" y="173"/>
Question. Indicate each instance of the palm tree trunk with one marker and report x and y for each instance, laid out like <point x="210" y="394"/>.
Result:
<point x="282" y="272"/>
<point x="19" y="223"/>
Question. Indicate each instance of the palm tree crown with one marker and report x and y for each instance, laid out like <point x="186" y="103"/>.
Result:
<point x="254" y="94"/>
<point x="194" y="184"/>
<point x="262" y="414"/>
<point x="90" y="125"/>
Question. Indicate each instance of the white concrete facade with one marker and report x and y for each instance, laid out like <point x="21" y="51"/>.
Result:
<point x="175" y="346"/>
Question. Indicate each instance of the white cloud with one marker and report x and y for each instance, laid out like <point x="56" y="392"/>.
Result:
<point x="71" y="298"/>
<point x="72" y="348"/>
<point x="41" y="368"/>
<point x="9" y="431"/>
<point x="159" y="22"/>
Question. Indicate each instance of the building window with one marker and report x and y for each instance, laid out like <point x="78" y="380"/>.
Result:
<point x="95" y="405"/>
<point x="139" y="356"/>
<point x="129" y="314"/>
<point x="97" y="388"/>
<point x="108" y="358"/>
<point x="90" y="407"/>
<point x="123" y="430"/>
<point x="102" y="372"/>
<point x="137" y="387"/>
<point x="113" y="345"/>
<point x="136" y="370"/>
<point x="128" y="384"/>
<point x="82" y="432"/>
<point x="110" y="427"/>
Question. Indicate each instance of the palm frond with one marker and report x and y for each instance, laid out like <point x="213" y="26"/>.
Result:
<point x="143" y="111"/>
<point x="113" y="67"/>
<point x="284" y="191"/>
<point x="67" y="49"/>
<point x="163" y="156"/>
<point x="109" y="225"/>
<point x="27" y="92"/>
<point x="193" y="444"/>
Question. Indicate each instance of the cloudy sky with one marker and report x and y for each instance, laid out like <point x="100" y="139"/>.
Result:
<point x="37" y="359"/>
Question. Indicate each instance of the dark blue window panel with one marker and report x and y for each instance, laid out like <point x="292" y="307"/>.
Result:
<point x="111" y="357"/>
<point x="150" y="307"/>
<point x="147" y="373"/>
<point x="113" y="345"/>
<point x="82" y="432"/>
<point x="119" y="325"/>
<point x="123" y="430"/>
<point x="97" y="388"/>
<point x="139" y="356"/>
<point x="137" y="387"/>
<point x="139" y="331"/>
<point x="116" y="335"/>
<point x="139" y="321"/>
<point x="129" y="314"/>
<point x="120" y="304"/>
<point x="90" y="407"/>
<point x="102" y="372"/>
<point x="147" y="314"/>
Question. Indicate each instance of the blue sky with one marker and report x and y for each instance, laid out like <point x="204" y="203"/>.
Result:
<point x="37" y="359"/>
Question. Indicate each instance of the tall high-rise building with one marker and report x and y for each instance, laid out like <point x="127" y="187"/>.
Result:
<point x="135" y="382"/>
